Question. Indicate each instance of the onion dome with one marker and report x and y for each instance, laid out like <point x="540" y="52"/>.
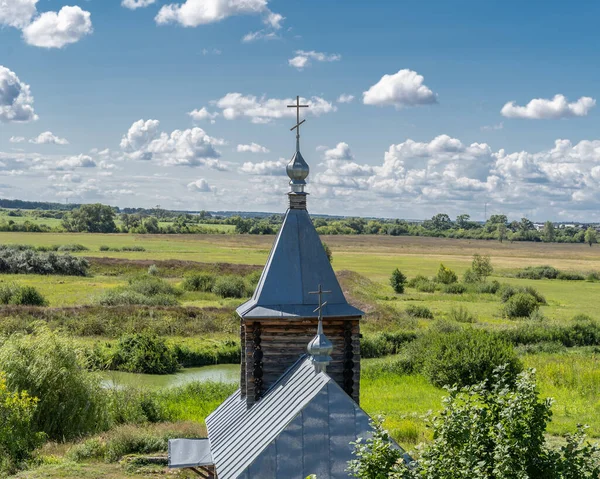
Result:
<point x="320" y="349"/>
<point x="297" y="169"/>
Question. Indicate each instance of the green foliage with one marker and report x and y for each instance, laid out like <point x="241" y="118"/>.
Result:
<point x="124" y="297"/>
<point x="470" y="277"/>
<point x="496" y="431"/>
<point x="461" y="315"/>
<point x="591" y="236"/>
<point x="419" y="311"/>
<point x="446" y="275"/>
<point x="72" y="248"/>
<point x="375" y="456"/>
<point x="581" y="331"/>
<point x="538" y="272"/>
<point x="482" y="266"/>
<point x="327" y="251"/>
<point x="487" y="288"/>
<point x="454" y="288"/>
<point x="229" y="287"/>
<point x="199" y="282"/>
<point x="94" y="218"/>
<point x="13" y="293"/>
<point x="463" y="357"/>
<point x="565" y="276"/>
<point x="152" y="286"/>
<point x="423" y="285"/>
<point x="153" y="270"/>
<point x="397" y="281"/>
<point x="384" y="344"/>
<point x="28" y="261"/>
<point x="520" y="305"/>
<point x="48" y="367"/>
<point x="17" y="435"/>
<point x="143" y="353"/>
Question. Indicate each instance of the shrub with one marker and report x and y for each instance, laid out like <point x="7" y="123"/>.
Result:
<point x="461" y="315"/>
<point x="487" y="288"/>
<point x="507" y="291"/>
<point x="412" y="283"/>
<point x="384" y="344"/>
<point x="470" y="276"/>
<point x="15" y="261"/>
<point x="252" y="281"/>
<point x="446" y="275"/>
<point x="153" y="270"/>
<point x="520" y="305"/>
<point x="133" y="248"/>
<point x="122" y="297"/>
<point x="397" y="280"/>
<point x="17" y="435"/>
<point x="152" y="286"/>
<point x="22" y="295"/>
<point x="419" y="311"/>
<point x="143" y="353"/>
<point x="328" y="251"/>
<point x="538" y="272"/>
<point x="535" y="293"/>
<point x="454" y="288"/>
<point x="593" y="276"/>
<point x="426" y="286"/>
<point x="229" y="287"/>
<point x="72" y="247"/>
<point x="570" y="276"/>
<point x="199" y="282"/>
<point x="463" y="357"/>
<point x="104" y="248"/>
<point x="482" y="266"/>
<point x="48" y="367"/>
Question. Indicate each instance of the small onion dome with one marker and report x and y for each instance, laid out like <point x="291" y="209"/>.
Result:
<point x="320" y="349"/>
<point x="297" y="169"/>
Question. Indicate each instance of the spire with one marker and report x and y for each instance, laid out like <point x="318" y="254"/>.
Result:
<point x="297" y="169"/>
<point x="320" y="348"/>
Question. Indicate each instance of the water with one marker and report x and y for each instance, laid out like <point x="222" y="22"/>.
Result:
<point x="227" y="373"/>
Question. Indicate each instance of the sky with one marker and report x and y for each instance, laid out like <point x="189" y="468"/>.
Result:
<point x="416" y="108"/>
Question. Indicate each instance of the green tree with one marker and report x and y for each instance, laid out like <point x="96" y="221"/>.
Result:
<point x="446" y="275"/>
<point x="398" y="280"/>
<point x="501" y="232"/>
<point x="463" y="221"/>
<point x="151" y="225"/>
<point x="482" y="266"/>
<point x="549" y="232"/>
<point x="526" y="225"/>
<point x="94" y="218"/>
<point x="441" y="222"/>
<point x="591" y="236"/>
<point x="327" y="251"/>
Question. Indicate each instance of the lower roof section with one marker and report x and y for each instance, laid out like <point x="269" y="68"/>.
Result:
<point x="252" y="310"/>
<point x="189" y="453"/>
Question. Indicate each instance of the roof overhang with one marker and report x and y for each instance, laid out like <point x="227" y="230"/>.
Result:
<point x="189" y="453"/>
<point x="252" y="310"/>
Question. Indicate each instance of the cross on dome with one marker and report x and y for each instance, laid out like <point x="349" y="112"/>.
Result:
<point x="297" y="106"/>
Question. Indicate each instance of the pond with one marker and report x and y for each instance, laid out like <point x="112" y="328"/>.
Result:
<point x="226" y="373"/>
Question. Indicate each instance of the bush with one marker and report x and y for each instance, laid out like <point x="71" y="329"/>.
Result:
<point x="538" y="272"/>
<point x="152" y="286"/>
<point x="412" y="283"/>
<point x="487" y="288"/>
<point x="133" y="248"/>
<point x="104" y="248"/>
<point x="123" y="297"/>
<point x="520" y="305"/>
<point x="507" y="291"/>
<point x="17" y="435"/>
<point x="22" y="295"/>
<point x="463" y="357"/>
<point x="397" y="281"/>
<point x="482" y="266"/>
<point x="454" y="288"/>
<point x="425" y="286"/>
<point x="153" y="270"/>
<point x="461" y="315"/>
<point x="199" y="282"/>
<point x="328" y="251"/>
<point x="384" y="344"/>
<point x="15" y="261"/>
<point x="72" y="247"/>
<point x="419" y="311"/>
<point x="48" y="366"/>
<point x="252" y="281"/>
<point x="446" y="275"/>
<point x="570" y="276"/>
<point x="593" y="276"/>
<point x="229" y="287"/>
<point x="143" y="353"/>
<point x="470" y="277"/>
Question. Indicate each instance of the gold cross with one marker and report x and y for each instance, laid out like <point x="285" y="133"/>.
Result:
<point x="320" y="292"/>
<point x="297" y="106"/>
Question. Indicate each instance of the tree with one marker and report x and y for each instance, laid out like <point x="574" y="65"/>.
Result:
<point x="501" y="232"/>
<point x="94" y="218"/>
<point x="441" y="222"/>
<point x="397" y="280"/>
<point x="591" y="236"/>
<point x="151" y="225"/>
<point x="526" y="225"/>
<point x="549" y="233"/>
<point x="327" y="251"/>
<point x="482" y="266"/>
<point x="463" y="221"/>
<point x="446" y="275"/>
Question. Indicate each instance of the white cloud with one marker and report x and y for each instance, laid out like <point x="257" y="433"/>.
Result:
<point x="264" y="168"/>
<point x="200" y="186"/>
<point x="498" y="126"/>
<point x="260" y="35"/>
<point x="543" y="109"/>
<point x="252" y="148"/>
<point x="345" y="98"/>
<point x="274" y="20"/>
<point x="265" y="110"/>
<point x="203" y="114"/>
<point x="48" y="138"/>
<point x="17" y="13"/>
<point x="134" y="4"/>
<point x="79" y="161"/>
<point x="402" y="89"/>
<point x="193" y="13"/>
<point x="139" y="136"/>
<point x="16" y="102"/>
<point x="17" y="139"/>
<point x="56" y="30"/>
<point x="303" y="58"/>
<point x="340" y="152"/>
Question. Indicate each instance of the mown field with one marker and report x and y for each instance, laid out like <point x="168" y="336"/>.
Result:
<point x="364" y="264"/>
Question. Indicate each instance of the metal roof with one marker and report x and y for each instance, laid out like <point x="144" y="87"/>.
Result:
<point x="303" y="425"/>
<point x="296" y="265"/>
<point x="189" y="453"/>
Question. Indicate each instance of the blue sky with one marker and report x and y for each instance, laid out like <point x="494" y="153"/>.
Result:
<point x="95" y="102"/>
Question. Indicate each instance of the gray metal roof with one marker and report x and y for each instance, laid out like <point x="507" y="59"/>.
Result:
<point x="189" y="453"/>
<point x="303" y="425"/>
<point x="297" y="264"/>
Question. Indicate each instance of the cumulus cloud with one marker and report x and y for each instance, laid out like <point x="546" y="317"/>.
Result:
<point x="341" y="169"/>
<point x="303" y="58"/>
<point x="200" y="186"/>
<point x="498" y="126"/>
<point x="79" y="161"/>
<point x="134" y="4"/>
<point x="252" y="148"/>
<point x="340" y="152"/>
<point x="264" y="168"/>
<point x="193" y="13"/>
<point x="16" y="101"/>
<point x="544" y="109"/>
<point x="17" y="13"/>
<point x="203" y="115"/>
<point x="16" y="139"/>
<point x="56" y="30"/>
<point x="345" y="98"/>
<point x="48" y="138"/>
<point x="265" y="110"/>
<point x="402" y="89"/>
<point x="273" y="22"/>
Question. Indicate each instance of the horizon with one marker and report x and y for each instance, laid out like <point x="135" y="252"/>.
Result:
<point x="414" y="109"/>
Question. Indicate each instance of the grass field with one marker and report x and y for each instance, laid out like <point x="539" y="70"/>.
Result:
<point x="572" y="377"/>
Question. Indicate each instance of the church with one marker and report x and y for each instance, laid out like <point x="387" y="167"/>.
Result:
<point x="297" y="408"/>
